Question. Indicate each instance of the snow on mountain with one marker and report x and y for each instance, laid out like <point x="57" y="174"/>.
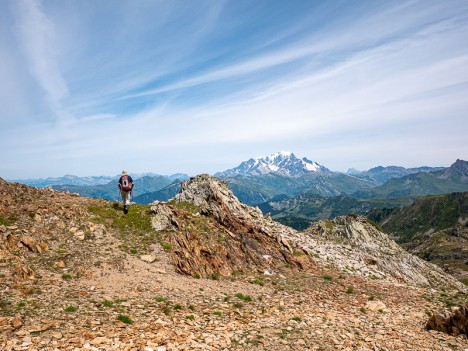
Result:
<point x="283" y="162"/>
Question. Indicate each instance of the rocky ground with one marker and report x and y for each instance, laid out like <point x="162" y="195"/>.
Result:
<point x="76" y="274"/>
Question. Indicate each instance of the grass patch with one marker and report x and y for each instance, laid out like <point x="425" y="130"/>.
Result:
<point x="66" y="276"/>
<point x="177" y="307"/>
<point x="166" y="246"/>
<point x="375" y="225"/>
<point x="133" y="228"/>
<point x="71" y="309"/>
<point x="296" y="318"/>
<point x="185" y="206"/>
<point x="217" y="313"/>
<point x="124" y="319"/>
<point x="258" y="281"/>
<point x="243" y="297"/>
<point x="350" y="290"/>
<point x="327" y="277"/>
<point x="161" y="299"/>
<point x="190" y="316"/>
<point x="107" y="303"/>
<point x="6" y="221"/>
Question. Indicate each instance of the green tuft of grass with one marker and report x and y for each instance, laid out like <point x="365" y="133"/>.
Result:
<point x="6" y="221"/>
<point x="217" y="313"/>
<point x="107" y="303"/>
<point x="190" y="316"/>
<point x="66" y="276"/>
<point x="197" y="276"/>
<point x="177" y="307"/>
<point x="161" y="299"/>
<point x="296" y="318"/>
<point x="124" y="319"/>
<point x="327" y="277"/>
<point x="71" y="309"/>
<point x="237" y="305"/>
<point x="166" y="246"/>
<point x="258" y="281"/>
<point x="350" y="290"/>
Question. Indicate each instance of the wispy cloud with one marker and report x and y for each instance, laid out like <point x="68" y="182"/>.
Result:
<point x="167" y="84"/>
<point x="36" y="34"/>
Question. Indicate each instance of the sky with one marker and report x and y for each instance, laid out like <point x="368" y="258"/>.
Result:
<point x="92" y="87"/>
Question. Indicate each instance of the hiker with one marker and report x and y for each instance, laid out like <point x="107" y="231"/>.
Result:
<point x="125" y="185"/>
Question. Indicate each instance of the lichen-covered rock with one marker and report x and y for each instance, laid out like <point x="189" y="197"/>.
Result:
<point x="455" y="322"/>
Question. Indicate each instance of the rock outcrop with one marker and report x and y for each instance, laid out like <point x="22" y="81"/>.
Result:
<point x="212" y="233"/>
<point x="454" y="322"/>
<point x="237" y="237"/>
<point x="353" y="244"/>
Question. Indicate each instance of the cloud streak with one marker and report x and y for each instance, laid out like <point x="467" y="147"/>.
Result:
<point x="370" y="79"/>
<point x="36" y="35"/>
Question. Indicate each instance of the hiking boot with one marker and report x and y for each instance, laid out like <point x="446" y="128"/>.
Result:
<point x="126" y="209"/>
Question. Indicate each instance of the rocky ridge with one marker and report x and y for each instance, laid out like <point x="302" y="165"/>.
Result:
<point x="350" y="243"/>
<point x="353" y="244"/>
<point x="105" y="281"/>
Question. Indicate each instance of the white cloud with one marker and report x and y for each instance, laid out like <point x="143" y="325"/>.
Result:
<point x="36" y="34"/>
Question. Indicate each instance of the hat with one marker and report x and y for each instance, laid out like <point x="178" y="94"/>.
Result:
<point x="124" y="172"/>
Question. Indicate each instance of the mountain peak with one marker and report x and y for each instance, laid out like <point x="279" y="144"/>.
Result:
<point x="283" y="162"/>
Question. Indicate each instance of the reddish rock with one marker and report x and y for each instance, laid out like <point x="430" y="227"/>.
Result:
<point x="455" y="322"/>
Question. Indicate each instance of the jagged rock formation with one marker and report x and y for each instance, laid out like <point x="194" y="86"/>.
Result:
<point x="454" y="322"/>
<point x="353" y="244"/>
<point x="212" y="233"/>
<point x="349" y="243"/>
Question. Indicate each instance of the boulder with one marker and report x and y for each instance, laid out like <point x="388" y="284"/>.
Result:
<point x="454" y="322"/>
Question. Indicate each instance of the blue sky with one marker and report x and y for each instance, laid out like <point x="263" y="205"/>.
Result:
<point x="91" y="87"/>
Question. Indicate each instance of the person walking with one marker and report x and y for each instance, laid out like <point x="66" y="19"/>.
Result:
<point x="125" y="185"/>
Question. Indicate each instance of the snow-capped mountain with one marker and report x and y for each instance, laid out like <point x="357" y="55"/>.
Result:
<point x="283" y="162"/>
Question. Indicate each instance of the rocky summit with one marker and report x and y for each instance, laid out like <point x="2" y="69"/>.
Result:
<point x="206" y="272"/>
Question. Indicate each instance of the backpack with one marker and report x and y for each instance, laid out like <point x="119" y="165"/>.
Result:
<point x="125" y="184"/>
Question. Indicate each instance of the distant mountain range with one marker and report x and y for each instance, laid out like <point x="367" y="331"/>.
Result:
<point x="379" y="175"/>
<point x="283" y="163"/>
<point x="163" y="194"/>
<point x="299" y="211"/>
<point x="283" y="175"/>
<point x="427" y="214"/>
<point x="443" y="181"/>
<point x="70" y="179"/>
<point x="110" y="190"/>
